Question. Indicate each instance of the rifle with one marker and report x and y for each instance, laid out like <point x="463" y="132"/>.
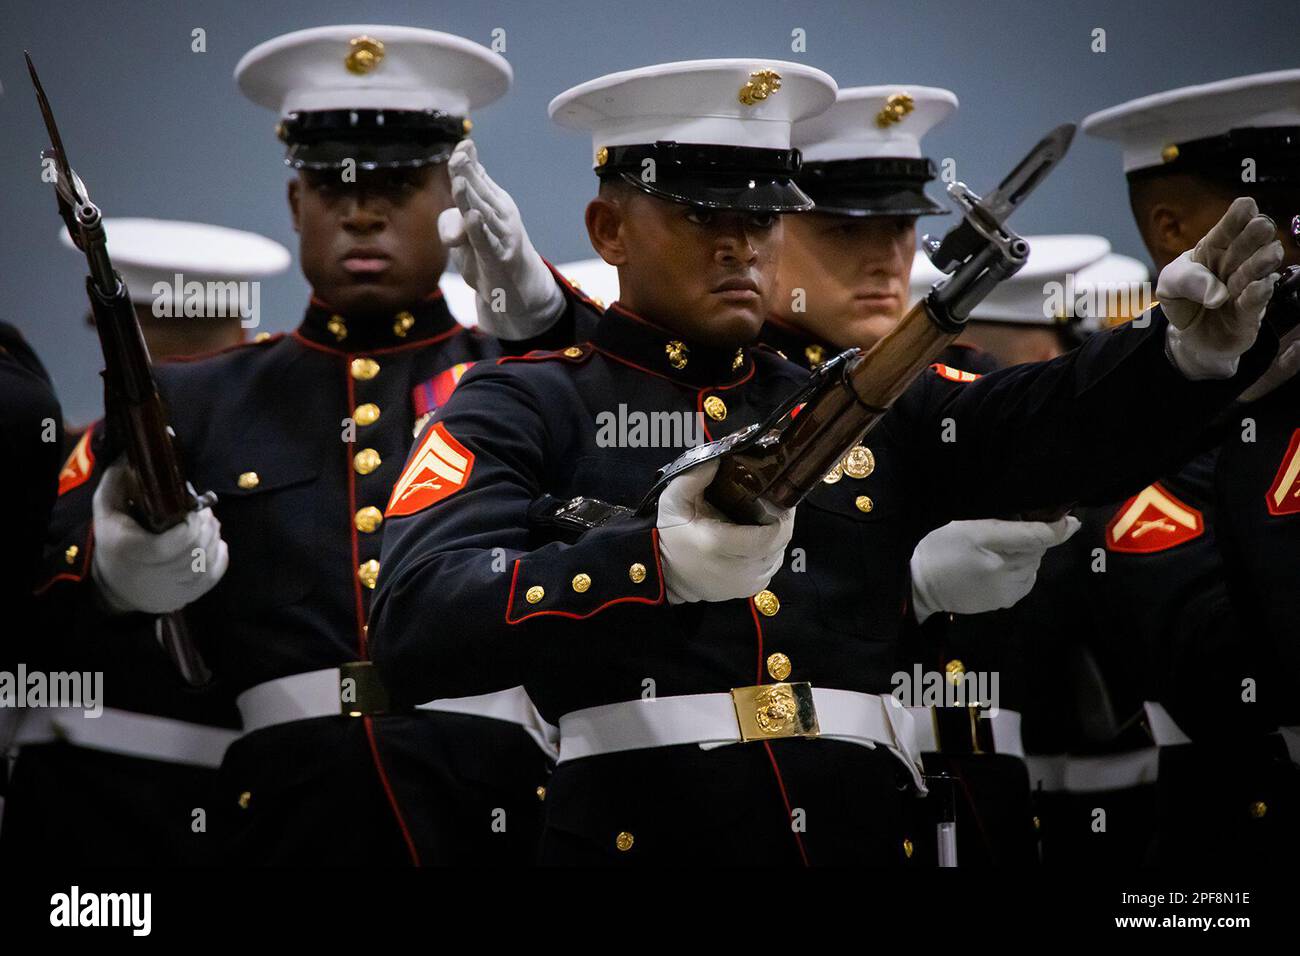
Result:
<point x="783" y="458"/>
<point x="133" y="410"/>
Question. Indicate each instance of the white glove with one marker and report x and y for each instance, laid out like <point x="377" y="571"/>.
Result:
<point x="1283" y="368"/>
<point x="139" y="571"/>
<point x="705" y="556"/>
<point x="968" y="567"/>
<point x="490" y="248"/>
<point x="1215" y="294"/>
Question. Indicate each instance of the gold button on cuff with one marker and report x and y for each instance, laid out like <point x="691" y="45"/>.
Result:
<point x="778" y="666"/>
<point x="248" y="480"/>
<point x="368" y="573"/>
<point x="402" y="324"/>
<point x="572" y="352"/>
<point x="337" y="327"/>
<point x="636" y="573"/>
<point x="534" y="594"/>
<point x="581" y="582"/>
<point x="71" y="554"/>
<point x="859" y="462"/>
<point x="1169" y="153"/>
<point x="244" y="799"/>
<point x="715" y="407"/>
<point x="1258" y="809"/>
<point x="366" y="414"/>
<point x="602" y="156"/>
<point x="364" y="369"/>
<point x="864" y="504"/>
<point x="368" y="519"/>
<point x="366" y="460"/>
<point x="624" y="841"/>
<point x="767" y="603"/>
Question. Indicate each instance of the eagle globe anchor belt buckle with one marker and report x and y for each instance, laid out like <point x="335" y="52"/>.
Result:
<point x="773" y="711"/>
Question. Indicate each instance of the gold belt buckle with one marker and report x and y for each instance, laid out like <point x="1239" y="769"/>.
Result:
<point x="361" y="693"/>
<point x="772" y="711"/>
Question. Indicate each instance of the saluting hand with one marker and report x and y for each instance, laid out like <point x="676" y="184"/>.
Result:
<point x="1215" y="294"/>
<point x="518" y="297"/>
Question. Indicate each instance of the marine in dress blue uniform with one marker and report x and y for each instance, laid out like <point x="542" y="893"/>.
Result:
<point x="635" y="682"/>
<point x="301" y="436"/>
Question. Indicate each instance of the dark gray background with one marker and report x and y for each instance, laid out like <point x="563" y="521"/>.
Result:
<point x="157" y="130"/>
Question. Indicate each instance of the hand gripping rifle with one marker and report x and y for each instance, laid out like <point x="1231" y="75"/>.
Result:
<point x="133" y="410"/>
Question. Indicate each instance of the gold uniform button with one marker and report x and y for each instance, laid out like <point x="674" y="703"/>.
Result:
<point x="864" y="504"/>
<point x="859" y="462"/>
<point x="814" y="354"/>
<point x="1038" y="824"/>
<point x="624" y="841"/>
<point x="337" y="327"/>
<point x="572" y="352"/>
<point x="366" y="460"/>
<point x="581" y="582"/>
<point x="71" y="554"/>
<point x="248" y="480"/>
<point x="534" y="594"/>
<point x="364" y="369"/>
<point x="1258" y="809"/>
<point x="541" y="793"/>
<point x="954" y="669"/>
<point x="678" y="353"/>
<point x="402" y="324"/>
<point x="767" y="603"/>
<point x="261" y="336"/>
<point x="636" y="573"/>
<point x="779" y="666"/>
<point x="368" y="573"/>
<point x="366" y="414"/>
<point x="715" y="407"/>
<point x="368" y="519"/>
<point x="835" y="474"/>
<point x="244" y="799"/>
<point x="907" y="847"/>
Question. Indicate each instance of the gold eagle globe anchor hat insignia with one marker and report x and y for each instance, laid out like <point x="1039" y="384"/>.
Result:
<point x="384" y="97"/>
<point x="710" y="133"/>
<point x="862" y="157"/>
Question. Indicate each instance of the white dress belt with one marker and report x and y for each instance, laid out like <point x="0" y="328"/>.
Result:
<point x="317" y="694"/>
<point x="709" y="720"/>
<point x="1070" y="773"/>
<point x="1005" y="725"/>
<point x="128" y="733"/>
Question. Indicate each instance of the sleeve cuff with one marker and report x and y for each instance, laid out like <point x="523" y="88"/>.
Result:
<point x="581" y="581"/>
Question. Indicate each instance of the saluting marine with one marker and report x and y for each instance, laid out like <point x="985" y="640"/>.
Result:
<point x="658" y="644"/>
<point x="301" y="436"/>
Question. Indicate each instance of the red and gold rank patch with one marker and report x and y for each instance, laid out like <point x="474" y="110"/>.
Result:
<point x="439" y="468"/>
<point x="80" y="464"/>
<point x="1284" y="495"/>
<point x="1153" y="520"/>
<point x="953" y="374"/>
